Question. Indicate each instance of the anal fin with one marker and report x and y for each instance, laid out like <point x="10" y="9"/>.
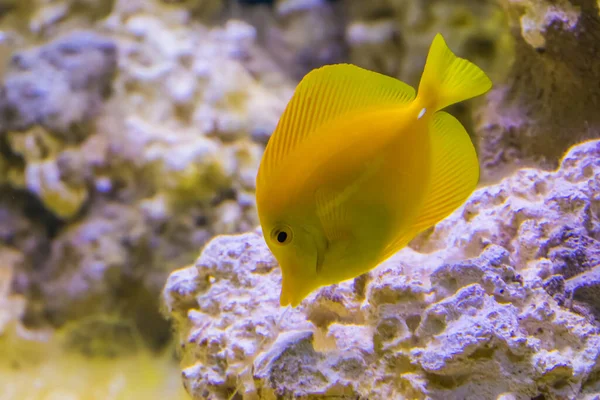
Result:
<point x="399" y="241"/>
<point x="453" y="176"/>
<point x="454" y="171"/>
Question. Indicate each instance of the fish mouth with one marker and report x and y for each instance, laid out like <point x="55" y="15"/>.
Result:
<point x="283" y="297"/>
<point x="298" y="279"/>
<point x="293" y="293"/>
<point x="288" y="295"/>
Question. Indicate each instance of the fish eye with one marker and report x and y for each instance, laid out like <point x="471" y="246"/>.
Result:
<point x="282" y="235"/>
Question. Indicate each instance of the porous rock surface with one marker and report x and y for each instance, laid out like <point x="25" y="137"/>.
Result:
<point x="130" y="133"/>
<point x="493" y="303"/>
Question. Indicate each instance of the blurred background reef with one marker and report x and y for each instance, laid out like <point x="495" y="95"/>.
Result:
<point x="131" y="132"/>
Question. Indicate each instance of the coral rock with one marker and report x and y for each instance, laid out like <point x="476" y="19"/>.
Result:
<point x="58" y="85"/>
<point x="550" y="99"/>
<point x="129" y="144"/>
<point x="461" y="313"/>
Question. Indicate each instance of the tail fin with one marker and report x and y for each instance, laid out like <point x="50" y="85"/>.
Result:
<point x="448" y="79"/>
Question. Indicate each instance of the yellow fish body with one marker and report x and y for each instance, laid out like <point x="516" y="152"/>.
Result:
<point x="359" y="165"/>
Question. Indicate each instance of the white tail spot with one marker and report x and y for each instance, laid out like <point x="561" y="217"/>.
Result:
<point x="421" y="113"/>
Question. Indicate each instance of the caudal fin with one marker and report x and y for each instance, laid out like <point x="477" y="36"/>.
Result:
<point x="448" y="79"/>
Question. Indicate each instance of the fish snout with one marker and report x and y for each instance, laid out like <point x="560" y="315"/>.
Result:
<point x="283" y="296"/>
<point x="293" y="291"/>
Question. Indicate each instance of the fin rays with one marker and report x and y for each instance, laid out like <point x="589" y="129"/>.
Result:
<point x="454" y="170"/>
<point x="448" y="79"/>
<point x="347" y="228"/>
<point x="454" y="175"/>
<point x="324" y="95"/>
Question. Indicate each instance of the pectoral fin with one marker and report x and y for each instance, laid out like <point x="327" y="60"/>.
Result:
<point x="333" y="213"/>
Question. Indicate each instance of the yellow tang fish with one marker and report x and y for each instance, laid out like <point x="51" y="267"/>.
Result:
<point x="359" y="165"/>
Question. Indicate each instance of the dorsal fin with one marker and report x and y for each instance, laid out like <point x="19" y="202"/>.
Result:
<point x="325" y="94"/>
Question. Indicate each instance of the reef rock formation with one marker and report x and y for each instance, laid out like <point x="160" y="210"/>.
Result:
<point x="58" y="85"/>
<point x="123" y="148"/>
<point x="550" y="99"/>
<point x="49" y="96"/>
<point x="496" y="301"/>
